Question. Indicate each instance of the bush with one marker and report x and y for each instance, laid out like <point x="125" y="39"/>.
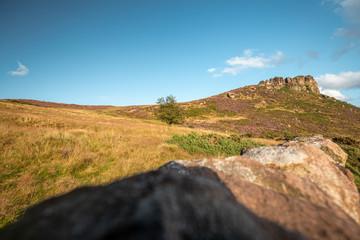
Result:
<point x="211" y="144"/>
<point x="169" y="111"/>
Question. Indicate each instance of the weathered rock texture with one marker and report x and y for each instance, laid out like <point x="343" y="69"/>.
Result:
<point x="298" y="83"/>
<point x="296" y="185"/>
<point x="191" y="203"/>
<point x="328" y="146"/>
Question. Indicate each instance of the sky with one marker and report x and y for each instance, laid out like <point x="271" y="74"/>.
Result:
<point x="132" y="52"/>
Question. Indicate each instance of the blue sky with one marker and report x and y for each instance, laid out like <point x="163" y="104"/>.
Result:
<point x="131" y="52"/>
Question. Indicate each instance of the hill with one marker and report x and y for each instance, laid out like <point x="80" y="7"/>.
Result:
<point x="276" y="108"/>
<point x="272" y="111"/>
<point x="51" y="148"/>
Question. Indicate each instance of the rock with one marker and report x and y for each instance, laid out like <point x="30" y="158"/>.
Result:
<point x="231" y="95"/>
<point x="296" y="185"/>
<point x="298" y="83"/>
<point x="176" y="203"/>
<point x="277" y="155"/>
<point x="329" y="147"/>
<point x="319" y="168"/>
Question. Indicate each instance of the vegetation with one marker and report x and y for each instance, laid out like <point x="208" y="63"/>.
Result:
<point x="212" y="144"/>
<point x="352" y="148"/>
<point x="169" y="111"/>
<point x="49" y="151"/>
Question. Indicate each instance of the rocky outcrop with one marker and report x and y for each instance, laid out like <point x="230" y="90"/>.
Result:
<point x="296" y="190"/>
<point x="191" y="203"/>
<point x="298" y="83"/>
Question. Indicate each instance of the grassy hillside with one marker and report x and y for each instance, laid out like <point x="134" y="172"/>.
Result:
<point x="49" y="150"/>
<point x="257" y="111"/>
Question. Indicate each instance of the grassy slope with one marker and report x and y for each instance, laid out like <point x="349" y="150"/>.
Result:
<point x="52" y="149"/>
<point x="48" y="151"/>
<point x="267" y="113"/>
<point x="273" y="114"/>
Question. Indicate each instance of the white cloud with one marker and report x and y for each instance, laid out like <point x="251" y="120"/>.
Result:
<point x="210" y="70"/>
<point x="334" y="93"/>
<point x="21" y="71"/>
<point x="237" y="64"/>
<point x="343" y="80"/>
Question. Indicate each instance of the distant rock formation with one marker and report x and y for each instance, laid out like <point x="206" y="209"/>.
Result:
<point x="297" y="190"/>
<point x="298" y="83"/>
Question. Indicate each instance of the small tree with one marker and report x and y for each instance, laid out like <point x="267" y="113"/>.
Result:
<point x="169" y="111"/>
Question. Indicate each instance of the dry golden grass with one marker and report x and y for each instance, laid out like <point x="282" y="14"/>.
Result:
<point x="49" y="151"/>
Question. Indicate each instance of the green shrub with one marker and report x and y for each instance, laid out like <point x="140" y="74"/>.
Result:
<point x="169" y="111"/>
<point x="211" y="144"/>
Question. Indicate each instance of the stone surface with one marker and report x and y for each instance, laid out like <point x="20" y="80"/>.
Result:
<point x="185" y="203"/>
<point x="280" y="155"/>
<point x="298" y="83"/>
<point x="231" y="95"/>
<point x="328" y="146"/>
<point x="296" y="185"/>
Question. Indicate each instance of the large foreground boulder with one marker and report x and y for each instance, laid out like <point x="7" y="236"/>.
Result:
<point x="166" y="204"/>
<point x="296" y="185"/>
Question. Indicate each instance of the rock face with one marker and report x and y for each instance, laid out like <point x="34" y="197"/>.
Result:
<point x="297" y="190"/>
<point x="298" y="83"/>
<point x="176" y="203"/>
<point x="296" y="185"/>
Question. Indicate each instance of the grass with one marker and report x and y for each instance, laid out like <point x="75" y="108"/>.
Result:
<point x="212" y="144"/>
<point x="352" y="148"/>
<point x="45" y="152"/>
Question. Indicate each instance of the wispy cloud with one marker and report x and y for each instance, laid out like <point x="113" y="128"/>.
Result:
<point x="341" y="50"/>
<point x="21" y="71"/>
<point x="347" y="33"/>
<point x="343" y="80"/>
<point x="350" y="10"/>
<point x="248" y="60"/>
<point x="312" y="54"/>
<point x="211" y="70"/>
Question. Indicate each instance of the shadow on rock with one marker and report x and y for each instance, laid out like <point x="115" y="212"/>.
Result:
<point x="170" y="203"/>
